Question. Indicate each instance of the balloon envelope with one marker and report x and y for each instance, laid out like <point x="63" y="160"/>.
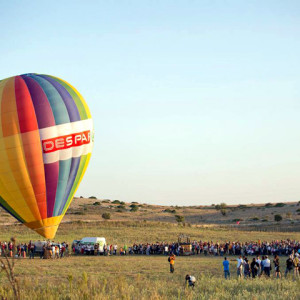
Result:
<point x="46" y="139"/>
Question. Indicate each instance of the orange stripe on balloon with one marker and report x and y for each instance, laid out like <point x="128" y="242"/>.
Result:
<point x="14" y="148"/>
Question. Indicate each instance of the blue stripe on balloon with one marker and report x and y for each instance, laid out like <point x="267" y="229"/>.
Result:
<point x="64" y="172"/>
<point x="67" y="98"/>
<point x="73" y="173"/>
<point x="57" y="104"/>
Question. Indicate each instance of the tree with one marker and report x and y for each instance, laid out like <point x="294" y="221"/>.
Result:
<point x="134" y="208"/>
<point x="179" y="219"/>
<point x="223" y="211"/>
<point x="277" y="218"/>
<point x="106" y="216"/>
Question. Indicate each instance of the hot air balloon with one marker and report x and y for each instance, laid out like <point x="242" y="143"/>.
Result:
<point x="46" y="140"/>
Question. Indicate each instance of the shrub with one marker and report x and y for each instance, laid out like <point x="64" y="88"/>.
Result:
<point x="116" y="202"/>
<point x="265" y="220"/>
<point x="277" y="218"/>
<point x="134" y="202"/>
<point x="279" y="205"/>
<point x="134" y="208"/>
<point x="97" y="203"/>
<point x="220" y="206"/>
<point x="223" y="211"/>
<point x="179" y="219"/>
<point x="242" y="206"/>
<point x="92" y="197"/>
<point x="106" y="201"/>
<point x="254" y="219"/>
<point x="298" y="210"/>
<point x="171" y="211"/>
<point x="106" y="216"/>
<point x="269" y="205"/>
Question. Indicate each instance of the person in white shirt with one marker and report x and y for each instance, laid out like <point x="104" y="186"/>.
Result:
<point x="240" y="266"/>
<point x="267" y="266"/>
<point x="259" y="262"/>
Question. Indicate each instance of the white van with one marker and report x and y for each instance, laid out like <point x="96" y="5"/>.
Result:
<point x="94" y="240"/>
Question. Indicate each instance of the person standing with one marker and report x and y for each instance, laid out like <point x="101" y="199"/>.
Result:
<point x="289" y="266"/>
<point x="226" y="268"/>
<point x="296" y="263"/>
<point x="259" y="265"/>
<point x="246" y="268"/>
<point x="277" y="267"/>
<point x="171" y="260"/>
<point x="267" y="266"/>
<point x="239" y="266"/>
<point x="254" y="267"/>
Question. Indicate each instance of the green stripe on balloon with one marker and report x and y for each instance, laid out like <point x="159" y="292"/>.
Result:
<point x="79" y="104"/>
<point x="76" y="181"/>
<point x="4" y="204"/>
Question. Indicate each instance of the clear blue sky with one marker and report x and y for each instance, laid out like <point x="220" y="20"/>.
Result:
<point x="194" y="102"/>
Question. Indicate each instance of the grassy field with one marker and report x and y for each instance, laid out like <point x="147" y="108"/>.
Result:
<point x="139" y="277"/>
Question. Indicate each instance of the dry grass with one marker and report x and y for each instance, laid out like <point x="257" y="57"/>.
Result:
<point x="139" y="277"/>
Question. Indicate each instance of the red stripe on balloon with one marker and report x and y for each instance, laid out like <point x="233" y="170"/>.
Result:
<point x="31" y="144"/>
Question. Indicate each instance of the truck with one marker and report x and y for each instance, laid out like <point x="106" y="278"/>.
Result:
<point x="88" y="243"/>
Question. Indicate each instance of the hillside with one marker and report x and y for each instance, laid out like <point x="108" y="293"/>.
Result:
<point x="260" y="216"/>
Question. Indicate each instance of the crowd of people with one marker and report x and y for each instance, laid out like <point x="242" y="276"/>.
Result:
<point x="280" y="248"/>
<point x="263" y="266"/>
<point x="32" y="249"/>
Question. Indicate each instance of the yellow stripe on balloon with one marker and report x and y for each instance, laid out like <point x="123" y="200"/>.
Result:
<point x="16" y="167"/>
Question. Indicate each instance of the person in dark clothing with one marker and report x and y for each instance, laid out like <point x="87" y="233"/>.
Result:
<point x="289" y="266"/>
<point x="277" y="267"/>
<point x="246" y="268"/>
<point x="254" y="267"/>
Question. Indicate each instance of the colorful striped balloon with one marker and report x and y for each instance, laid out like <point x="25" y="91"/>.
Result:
<point x="46" y="139"/>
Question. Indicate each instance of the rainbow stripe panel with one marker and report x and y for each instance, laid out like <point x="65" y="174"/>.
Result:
<point x="46" y="140"/>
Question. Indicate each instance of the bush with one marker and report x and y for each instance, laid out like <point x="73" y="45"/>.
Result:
<point x="92" y="197"/>
<point x="298" y="210"/>
<point x="116" y="202"/>
<point x="269" y="205"/>
<point x="179" y="219"/>
<point x="279" y="205"/>
<point x="106" y="216"/>
<point x="265" y="220"/>
<point x="237" y="220"/>
<point x="220" y="206"/>
<point x="134" y="208"/>
<point x="97" y="203"/>
<point x="277" y="218"/>
<point x="171" y="211"/>
<point x="242" y="206"/>
<point x="106" y="201"/>
<point x="254" y="219"/>
<point x="223" y="211"/>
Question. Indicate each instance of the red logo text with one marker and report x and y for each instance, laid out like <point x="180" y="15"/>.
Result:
<point x="66" y="141"/>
